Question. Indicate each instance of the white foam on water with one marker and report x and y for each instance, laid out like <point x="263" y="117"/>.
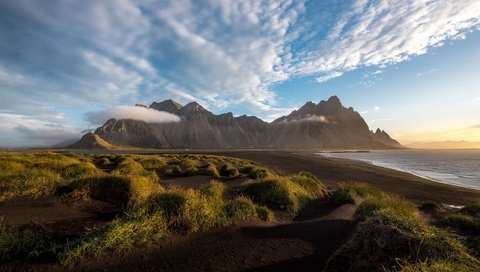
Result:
<point x="459" y="167"/>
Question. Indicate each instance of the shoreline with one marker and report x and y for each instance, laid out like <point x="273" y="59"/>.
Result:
<point x="333" y="171"/>
<point x="320" y="154"/>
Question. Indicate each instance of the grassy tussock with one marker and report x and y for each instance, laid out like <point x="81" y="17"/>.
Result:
<point x="173" y="170"/>
<point x="24" y="241"/>
<point x="36" y="175"/>
<point x="174" y="211"/>
<point x="471" y="209"/>
<point x="152" y="162"/>
<point x="265" y="213"/>
<point x="128" y="166"/>
<point x="189" y="167"/>
<point x="213" y="191"/>
<point x="256" y="172"/>
<point x="351" y="193"/>
<point x="185" y="211"/>
<point x="212" y="170"/>
<point x="228" y="170"/>
<point x="241" y="208"/>
<point x="462" y="222"/>
<point x="117" y="236"/>
<point x="290" y="194"/>
<point x="122" y="191"/>
<point x="391" y="235"/>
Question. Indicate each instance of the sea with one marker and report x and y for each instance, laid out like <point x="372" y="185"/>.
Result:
<point x="457" y="167"/>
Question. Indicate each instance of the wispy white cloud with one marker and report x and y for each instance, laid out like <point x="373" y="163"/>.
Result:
<point x="311" y="118"/>
<point x="220" y="53"/>
<point x="329" y="76"/>
<point x="131" y="112"/>
<point x="376" y="108"/>
<point x="431" y="71"/>
<point x="45" y="130"/>
<point x="380" y="33"/>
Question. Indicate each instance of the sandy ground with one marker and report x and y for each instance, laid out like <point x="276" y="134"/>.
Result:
<point x="303" y="243"/>
<point x="333" y="171"/>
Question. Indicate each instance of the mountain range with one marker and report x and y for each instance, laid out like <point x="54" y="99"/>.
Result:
<point x="327" y="124"/>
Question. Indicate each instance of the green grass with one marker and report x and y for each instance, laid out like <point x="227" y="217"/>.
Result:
<point x="462" y="222"/>
<point x="351" y="193"/>
<point x="391" y="235"/>
<point x="152" y="162"/>
<point x="212" y="170"/>
<point x="278" y="192"/>
<point x="119" y="190"/>
<point x="120" y="235"/>
<point x="228" y="170"/>
<point x="185" y="210"/>
<point x="189" y="167"/>
<point x="173" y="170"/>
<point x="128" y="166"/>
<point x="213" y="191"/>
<point x="265" y="213"/>
<point x="471" y="209"/>
<point x="241" y="208"/>
<point x="256" y="172"/>
<point x="31" y="240"/>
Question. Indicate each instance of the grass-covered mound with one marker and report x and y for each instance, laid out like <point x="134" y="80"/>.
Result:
<point x="37" y="175"/>
<point x="119" y="190"/>
<point x="27" y="241"/>
<point x="174" y="211"/>
<point x="284" y="193"/>
<point x="348" y="194"/>
<point x="392" y="235"/>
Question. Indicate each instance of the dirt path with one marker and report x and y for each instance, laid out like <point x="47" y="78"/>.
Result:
<point x="254" y="246"/>
<point x="56" y="214"/>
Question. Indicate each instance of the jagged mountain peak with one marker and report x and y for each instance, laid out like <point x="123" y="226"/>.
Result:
<point x="168" y="105"/>
<point x="334" y="100"/>
<point x="192" y="108"/>
<point x="327" y="124"/>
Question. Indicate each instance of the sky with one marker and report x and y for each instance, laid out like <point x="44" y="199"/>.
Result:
<point x="409" y="67"/>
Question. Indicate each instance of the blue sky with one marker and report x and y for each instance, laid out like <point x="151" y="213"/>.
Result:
<point x="409" y="67"/>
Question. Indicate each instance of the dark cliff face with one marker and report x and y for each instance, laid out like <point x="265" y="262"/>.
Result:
<point x="324" y="125"/>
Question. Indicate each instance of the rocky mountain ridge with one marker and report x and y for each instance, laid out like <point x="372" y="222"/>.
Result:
<point x="327" y="124"/>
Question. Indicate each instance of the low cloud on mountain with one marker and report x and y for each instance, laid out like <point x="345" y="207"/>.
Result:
<point x="131" y="112"/>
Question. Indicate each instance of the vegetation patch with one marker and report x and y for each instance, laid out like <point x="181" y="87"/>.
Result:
<point x="212" y="170"/>
<point x="265" y="213"/>
<point x="278" y="192"/>
<point x="391" y="235"/>
<point x="351" y="193"/>
<point x="122" y="191"/>
<point x="152" y="162"/>
<point x="25" y="241"/>
<point x="256" y="172"/>
<point x="228" y="170"/>
<point x="213" y="191"/>
<point x="471" y="209"/>
<point x="462" y="222"/>
<point x="241" y="208"/>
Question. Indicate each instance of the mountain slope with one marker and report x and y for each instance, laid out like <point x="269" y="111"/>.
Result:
<point x="327" y="124"/>
<point x="91" y="141"/>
